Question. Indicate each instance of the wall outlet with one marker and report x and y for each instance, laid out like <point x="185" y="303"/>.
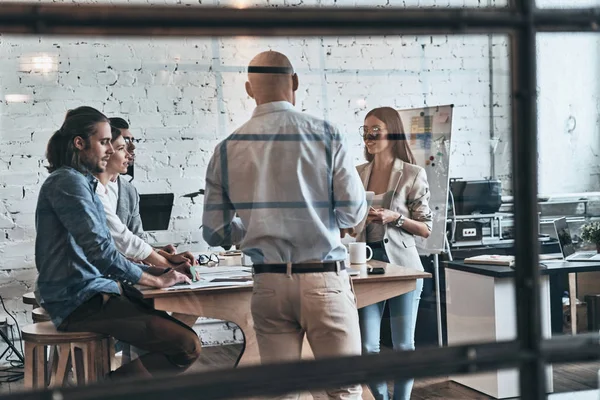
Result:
<point x="469" y="232"/>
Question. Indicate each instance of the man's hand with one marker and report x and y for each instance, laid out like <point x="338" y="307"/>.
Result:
<point x="382" y="216"/>
<point x="162" y="280"/>
<point x="169" y="249"/>
<point x="181" y="258"/>
<point x="185" y="256"/>
<point x="171" y="278"/>
<point x="184" y="269"/>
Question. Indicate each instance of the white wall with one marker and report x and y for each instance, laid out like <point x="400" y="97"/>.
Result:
<point x="569" y="113"/>
<point x="568" y="73"/>
<point x="568" y="68"/>
<point x="182" y="96"/>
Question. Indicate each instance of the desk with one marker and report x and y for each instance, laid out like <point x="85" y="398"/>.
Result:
<point x="481" y="306"/>
<point x="552" y="268"/>
<point x="233" y="303"/>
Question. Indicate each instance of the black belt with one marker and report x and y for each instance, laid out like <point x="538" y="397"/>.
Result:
<point x="376" y="245"/>
<point x="300" y="268"/>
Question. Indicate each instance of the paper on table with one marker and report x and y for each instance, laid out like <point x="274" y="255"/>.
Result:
<point x="207" y="284"/>
<point x="209" y="274"/>
<point x="223" y="270"/>
<point x="225" y="276"/>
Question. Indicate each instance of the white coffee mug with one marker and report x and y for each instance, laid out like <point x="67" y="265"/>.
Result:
<point x="358" y="252"/>
<point x="246" y="260"/>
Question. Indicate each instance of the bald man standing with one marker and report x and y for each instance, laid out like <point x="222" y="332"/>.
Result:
<point x="290" y="180"/>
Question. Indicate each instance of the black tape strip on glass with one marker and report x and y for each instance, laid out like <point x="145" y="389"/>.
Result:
<point x="270" y="70"/>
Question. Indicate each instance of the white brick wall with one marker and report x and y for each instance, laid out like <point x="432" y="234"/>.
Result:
<point x="182" y="96"/>
<point x="569" y="113"/>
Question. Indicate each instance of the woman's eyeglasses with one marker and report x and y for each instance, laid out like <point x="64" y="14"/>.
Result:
<point x="373" y="133"/>
<point x="131" y="140"/>
<point x="210" y="260"/>
<point x="376" y="133"/>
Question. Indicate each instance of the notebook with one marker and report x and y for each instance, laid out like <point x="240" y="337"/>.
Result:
<point x="491" y="259"/>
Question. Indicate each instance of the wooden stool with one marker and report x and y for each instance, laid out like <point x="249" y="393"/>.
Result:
<point x="89" y="353"/>
<point x="29" y="298"/>
<point x="39" y="315"/>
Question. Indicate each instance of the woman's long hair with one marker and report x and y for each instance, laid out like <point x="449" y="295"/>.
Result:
<point x="61" y="150"/>
<point x="391" y="118"/>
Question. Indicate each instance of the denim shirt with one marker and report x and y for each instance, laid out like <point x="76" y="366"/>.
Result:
<point x="74" y="252"/>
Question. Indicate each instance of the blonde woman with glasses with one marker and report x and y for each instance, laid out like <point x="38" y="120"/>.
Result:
<point x="401" y="212"/>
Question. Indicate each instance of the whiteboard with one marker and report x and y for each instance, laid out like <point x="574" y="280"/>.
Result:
<point x="429" y="132"/>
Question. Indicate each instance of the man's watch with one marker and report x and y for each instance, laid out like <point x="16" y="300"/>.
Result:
<point x="399" y="222"/>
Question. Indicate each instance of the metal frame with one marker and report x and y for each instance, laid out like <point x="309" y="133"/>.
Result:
<point x="521" y="20"/>
<point x="532" y="377"/>
<point x="106" y="20"/>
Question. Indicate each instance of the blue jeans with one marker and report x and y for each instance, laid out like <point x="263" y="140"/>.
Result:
<point x="403" y="317"/>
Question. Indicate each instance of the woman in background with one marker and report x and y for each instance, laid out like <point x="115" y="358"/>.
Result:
<point x="400" y="212"/>
<point x="126" y="242"/>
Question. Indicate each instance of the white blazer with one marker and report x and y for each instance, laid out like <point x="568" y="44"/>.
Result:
<point x="409" y="195"/>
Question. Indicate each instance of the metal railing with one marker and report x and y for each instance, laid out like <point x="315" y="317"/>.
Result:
<point x="107" y="20"/>
<point x="277" y="379"/>
<point x="521" y="21"/>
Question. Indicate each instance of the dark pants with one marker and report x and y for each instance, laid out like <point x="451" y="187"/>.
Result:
<point x="171" y="345"/>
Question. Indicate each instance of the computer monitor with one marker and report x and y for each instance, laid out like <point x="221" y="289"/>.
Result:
<point x="563" y="234"/>
<point x="155" y="211"/>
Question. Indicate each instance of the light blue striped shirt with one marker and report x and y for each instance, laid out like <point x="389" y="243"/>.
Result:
<point x="292" y="184"/>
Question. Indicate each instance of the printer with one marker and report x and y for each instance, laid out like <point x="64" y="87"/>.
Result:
<point x="476" y="197"/>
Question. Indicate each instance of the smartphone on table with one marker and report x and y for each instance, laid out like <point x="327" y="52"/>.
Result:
<point x="375" y="270"/>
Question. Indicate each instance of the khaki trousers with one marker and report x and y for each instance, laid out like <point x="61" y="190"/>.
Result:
<point x="285" y="307"/>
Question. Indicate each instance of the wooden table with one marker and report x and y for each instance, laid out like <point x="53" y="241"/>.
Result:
<point x="233" y="303"/>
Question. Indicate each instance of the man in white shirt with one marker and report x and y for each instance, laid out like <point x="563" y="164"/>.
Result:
<point x="289" y="178"/>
